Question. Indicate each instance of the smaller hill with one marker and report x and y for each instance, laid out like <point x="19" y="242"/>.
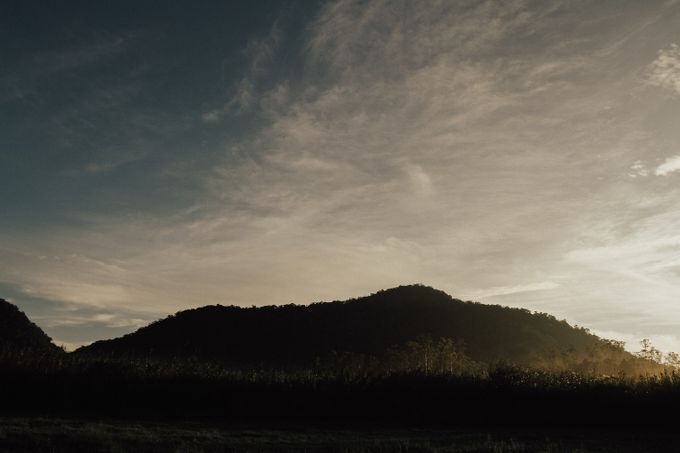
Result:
<point x="19" y="334"/>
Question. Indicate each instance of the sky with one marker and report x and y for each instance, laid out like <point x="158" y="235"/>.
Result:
<point x="162" y="155"/>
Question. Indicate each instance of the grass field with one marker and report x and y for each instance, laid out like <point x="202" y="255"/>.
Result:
<point x="88" y="405"/>
<point x="71" y="435"/>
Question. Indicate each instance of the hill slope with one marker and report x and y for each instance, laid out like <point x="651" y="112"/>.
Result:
<point x="18" y="333"/>
<point x="298" y="335"/>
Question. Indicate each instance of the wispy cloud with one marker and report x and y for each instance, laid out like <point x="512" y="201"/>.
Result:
<point x="638" y="169"/>
<point x="74" y="323"/>
<point x="25" y="80"/>
<point x="211" y="116"/>
<point x="259" y="53"/>
<point x="665" y="70"/>
<point x="512" y="289"/>
<point x="353" y="184"/>
<point x="670" y="165"/>
<point x="635" y="268"/>
<point x="462" y="145"/>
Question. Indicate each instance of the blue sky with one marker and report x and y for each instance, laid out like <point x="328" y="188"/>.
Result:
<point x="156" y="156"/>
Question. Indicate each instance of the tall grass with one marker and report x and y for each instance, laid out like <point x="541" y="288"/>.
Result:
<point x="67" y="385"/>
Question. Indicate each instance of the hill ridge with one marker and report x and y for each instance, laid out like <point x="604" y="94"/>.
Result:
<point x="369" y="325"/>
<point x="19" y="333"/>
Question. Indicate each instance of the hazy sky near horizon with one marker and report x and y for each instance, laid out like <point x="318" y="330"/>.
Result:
<point x="156" y="156"/>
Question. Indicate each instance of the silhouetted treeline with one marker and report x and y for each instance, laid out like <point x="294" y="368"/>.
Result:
<point x="364" y="330"/>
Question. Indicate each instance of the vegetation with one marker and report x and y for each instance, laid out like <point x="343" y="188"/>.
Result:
<point x="18" y="333"/>
<point x="378" y="332"/>
<point x="438" y="391"/>
<point x="424" y="364"/>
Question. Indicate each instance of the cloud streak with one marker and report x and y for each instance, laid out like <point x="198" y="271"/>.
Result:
<point x="665" y="70"/>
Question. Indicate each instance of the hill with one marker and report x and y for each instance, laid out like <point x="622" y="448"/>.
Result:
<point x="395" y="322"/>
<point x="19" y="334"/>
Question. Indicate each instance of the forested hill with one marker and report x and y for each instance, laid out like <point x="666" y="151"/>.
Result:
<point x="368" y="326"/>
<point x="18" y="333"/>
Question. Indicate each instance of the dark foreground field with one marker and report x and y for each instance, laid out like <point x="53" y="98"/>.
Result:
<point x="88" y="405"/>
<point x="71" y="435"/>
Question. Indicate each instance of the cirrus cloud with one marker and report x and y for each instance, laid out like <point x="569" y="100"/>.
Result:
<point x="665" y="70"/>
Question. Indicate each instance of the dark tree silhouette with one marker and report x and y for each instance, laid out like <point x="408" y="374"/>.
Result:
<point x="366" y="329"/>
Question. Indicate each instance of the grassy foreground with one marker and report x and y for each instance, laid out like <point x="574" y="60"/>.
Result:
<point x="60" y="403"/>
<point x="72" y="435"/>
